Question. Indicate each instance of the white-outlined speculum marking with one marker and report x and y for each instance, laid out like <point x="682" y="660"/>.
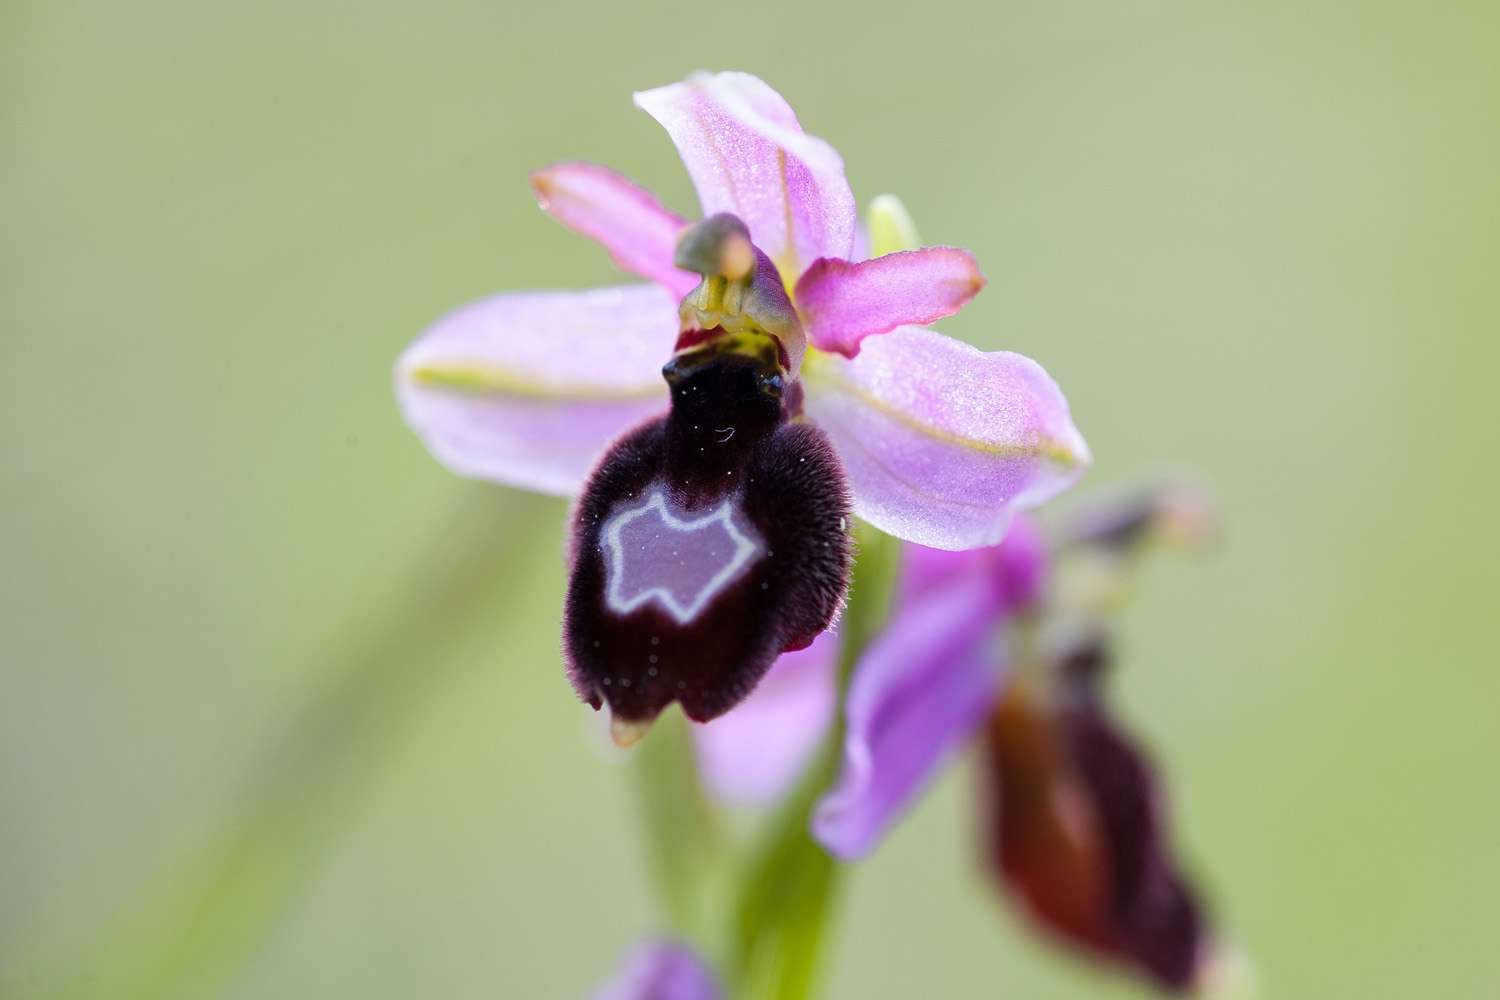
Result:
<point x="683" y="602"/>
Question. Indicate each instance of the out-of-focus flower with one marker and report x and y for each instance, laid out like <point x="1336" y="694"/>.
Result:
<point x="713" y="534"/>
<point x="661" y="970"/>
<point x="1010" y="643"/>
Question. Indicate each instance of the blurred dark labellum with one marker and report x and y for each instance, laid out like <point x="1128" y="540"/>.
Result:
<point x="1079" y="832"/>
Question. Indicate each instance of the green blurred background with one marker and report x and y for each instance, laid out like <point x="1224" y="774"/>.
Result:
<point x="266" y="669"/>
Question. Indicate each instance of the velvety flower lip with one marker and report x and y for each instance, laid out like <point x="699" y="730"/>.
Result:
<point x="661" y="970"/>
<point x="1078" y="829"/>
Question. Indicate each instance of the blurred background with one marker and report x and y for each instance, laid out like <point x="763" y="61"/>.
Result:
<point x="268" y="672"/>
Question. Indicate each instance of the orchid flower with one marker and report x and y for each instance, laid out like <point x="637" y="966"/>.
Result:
<point x="711" y="533"/>
<point x="1005" y="646"/>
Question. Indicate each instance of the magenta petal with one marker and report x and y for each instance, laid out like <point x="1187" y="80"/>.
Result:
<point x="843" y="303"/>
<point x="529" y="389"/>
<point x="748" y="156"/>
<point x="918" y="693"/>
<point x="618" y="214"/>
<point x="753" y="754"/>
<point x="661" y="970"/>
<point x="943" y="443"/>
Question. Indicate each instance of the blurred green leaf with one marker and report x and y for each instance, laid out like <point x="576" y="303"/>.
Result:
<point x="213" y="902"/>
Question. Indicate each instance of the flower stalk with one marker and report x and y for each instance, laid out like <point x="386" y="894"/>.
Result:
<point x="762" y="915"/>
<point x="683" y="838"/>
<point x="790" y="883"/>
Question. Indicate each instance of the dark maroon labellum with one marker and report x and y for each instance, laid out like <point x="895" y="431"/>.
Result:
<point x="1079" y="832"/>
<point x="706" y="543"/>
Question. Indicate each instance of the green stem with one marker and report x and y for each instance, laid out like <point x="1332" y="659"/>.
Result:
<point x="683" y="839"/>
<point x="788" y="887"/>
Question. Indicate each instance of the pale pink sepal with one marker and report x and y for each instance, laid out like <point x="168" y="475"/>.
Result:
<point x="918" y="694"/>
<point x="618" y="214"/>
<point x="748" y="155"/>
<point x="753" y="754"/>
<point x="661" y="970"/>
<point x="529" y="389"/>
<point x="842" y="303"/>
<point x="943" y="443"/>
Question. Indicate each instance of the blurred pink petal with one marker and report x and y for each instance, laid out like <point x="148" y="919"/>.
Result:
<point x="919" y="693"/>
<point x="843" y="303"/>
<point x="529" y="389"/>
<point x="927" y="683"/>
<point x="624" y="218"/>
<point x="661" y="970"/>
<point x="748" y="156"/>
<point x="753" y="754"/>
<point x="1017" y="566"/>
<point x="943" y="443"/>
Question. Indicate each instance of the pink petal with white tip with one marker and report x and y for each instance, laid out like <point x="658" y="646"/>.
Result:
<point x="943" y="443"/>
<point x="747" y="155"/>
<point x="529" y="389"/>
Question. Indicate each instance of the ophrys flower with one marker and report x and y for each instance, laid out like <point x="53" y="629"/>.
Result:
<point x="789" y="362"/>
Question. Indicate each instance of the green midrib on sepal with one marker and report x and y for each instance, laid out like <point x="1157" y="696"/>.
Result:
<point x="478" y="377"/>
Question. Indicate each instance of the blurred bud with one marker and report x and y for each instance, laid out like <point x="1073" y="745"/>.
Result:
<point x="1179" y="510"/>
<point x="1100" y="546"/>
